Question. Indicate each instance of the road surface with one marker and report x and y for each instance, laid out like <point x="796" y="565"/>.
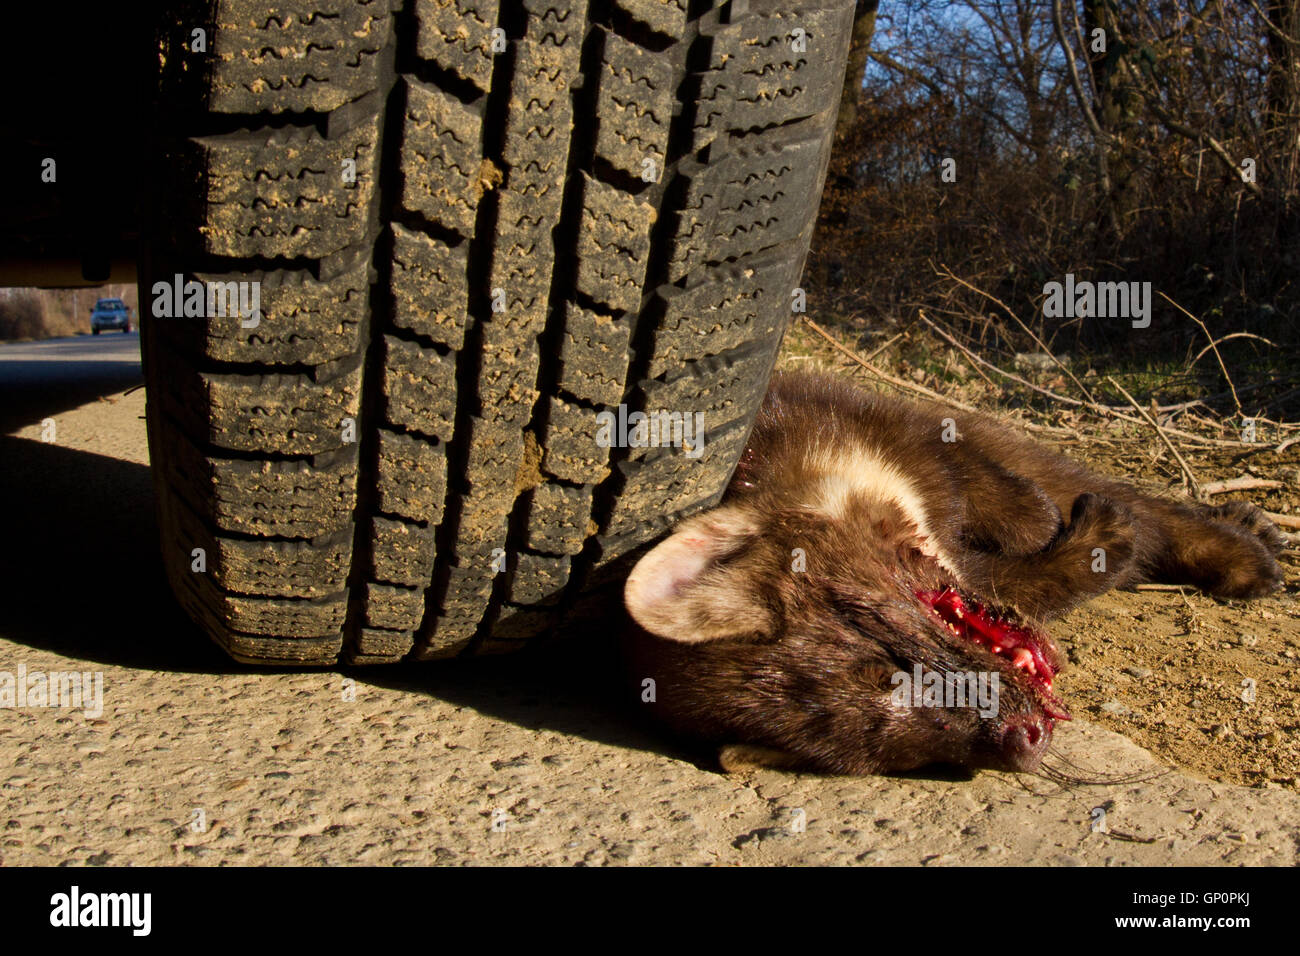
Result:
<point x="193" y="759"/>
<point x="38" y="378"/>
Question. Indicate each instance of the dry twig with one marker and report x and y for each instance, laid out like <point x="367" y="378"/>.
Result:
<point x="1284" y="521"/>
<point x="904" y="385"/>
<point x="1189" y="477"/>
<point x="945" y="271"/>
<point x="1077" y="402"/>
<point x="1244" y="483"/>
<point x="1226" y="377"/>
<point x="885" y="376"/>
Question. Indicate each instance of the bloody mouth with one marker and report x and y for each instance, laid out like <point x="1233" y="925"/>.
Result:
<point x="1021" y="647"/>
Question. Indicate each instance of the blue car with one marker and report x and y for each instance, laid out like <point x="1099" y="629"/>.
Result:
<point x="110" y="314"/>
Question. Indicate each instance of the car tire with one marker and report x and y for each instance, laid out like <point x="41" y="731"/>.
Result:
<point x="463" y="257"/>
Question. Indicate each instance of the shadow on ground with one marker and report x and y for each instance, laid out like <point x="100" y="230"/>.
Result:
<point x="80" y="572"/>
<point x="81" y="575"/>
<point x="42" y="379"/>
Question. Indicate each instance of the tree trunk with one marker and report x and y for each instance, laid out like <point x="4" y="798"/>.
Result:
<point x="1284" y="92"/>
<point x="1115" y="108"/>
<point x="864" y="27"/>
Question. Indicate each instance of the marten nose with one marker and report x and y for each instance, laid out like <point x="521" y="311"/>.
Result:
<point x="1024" y="741"/>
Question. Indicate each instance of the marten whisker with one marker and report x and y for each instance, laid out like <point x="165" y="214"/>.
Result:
<point x="1063" y="771"/>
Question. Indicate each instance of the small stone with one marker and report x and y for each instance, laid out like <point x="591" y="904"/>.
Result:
<point x="1033" y="361"/>
<point x="622" y="851"/>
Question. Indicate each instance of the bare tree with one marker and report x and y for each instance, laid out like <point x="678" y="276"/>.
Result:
<point x="1017" y="139"/>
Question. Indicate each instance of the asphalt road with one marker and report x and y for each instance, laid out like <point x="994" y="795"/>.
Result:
<point x="193" y="759"/>
<point x="39" y="379"/>
<point x="75" y="349"/>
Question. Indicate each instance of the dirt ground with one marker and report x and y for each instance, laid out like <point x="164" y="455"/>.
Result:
<point x="1173" y="671"/>
<point x="197" y="760"/>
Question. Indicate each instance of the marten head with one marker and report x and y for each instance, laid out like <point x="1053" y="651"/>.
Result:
<point x="834" y="638"/>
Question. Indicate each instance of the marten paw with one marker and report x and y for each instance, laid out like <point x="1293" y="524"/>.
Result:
<point x="1245" y="569"/>
<point x="1107" y="529"/>
<point x="742" y="758"/>
<point x="1252" y="519"/>
<point x="1234" y="551"/>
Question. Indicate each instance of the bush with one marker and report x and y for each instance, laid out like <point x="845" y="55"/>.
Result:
<point x="22" y="314"/>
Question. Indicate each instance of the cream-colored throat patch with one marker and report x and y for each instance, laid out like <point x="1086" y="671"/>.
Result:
<point x="865" y="473"/>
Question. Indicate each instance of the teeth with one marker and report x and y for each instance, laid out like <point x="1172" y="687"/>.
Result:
<point x="1023" y="659"/>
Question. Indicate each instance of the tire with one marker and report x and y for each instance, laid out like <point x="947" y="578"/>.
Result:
<point x="94" y="331"/>
<point x="399" y="460"/>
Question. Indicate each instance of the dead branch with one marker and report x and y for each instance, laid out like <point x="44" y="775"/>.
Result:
<point x="885" y="376"/>
<point x="1213" y="345"/>
<point x="904" y="385"/>
<point x="1079" y="403"/>
<point x="945" y="271"/>
<point x="1243" y="483"/>
<point x="1284" y="521"/>
<point x="1189" y="477"/>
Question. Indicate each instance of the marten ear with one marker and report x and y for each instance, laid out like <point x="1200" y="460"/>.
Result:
<point x="684" y="589"/>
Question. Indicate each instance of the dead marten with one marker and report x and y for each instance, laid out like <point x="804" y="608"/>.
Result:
<point x="869" y="595"/>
